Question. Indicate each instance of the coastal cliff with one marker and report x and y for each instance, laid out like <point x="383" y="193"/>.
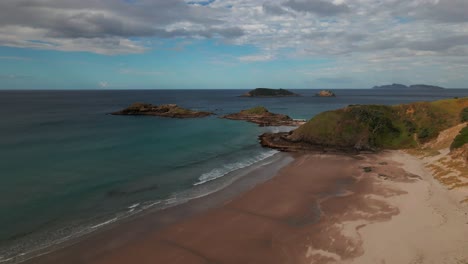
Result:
<point x="371" y="127"/>
<point x="167" y="110"/>
<point x="267" y="92"/>
<point x="261" y="116"/>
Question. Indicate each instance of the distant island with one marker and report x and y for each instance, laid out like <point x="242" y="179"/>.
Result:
<point x="325" y="93"/>
<point x="267" y="92"/>
<point x="261" y="116"/>
<point x="167" y="110"/>
<point x="397" y="86"/>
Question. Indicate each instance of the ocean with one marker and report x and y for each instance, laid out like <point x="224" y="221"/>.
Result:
<point x="68" y="168"/>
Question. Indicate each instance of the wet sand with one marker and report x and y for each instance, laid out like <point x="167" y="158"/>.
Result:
<point x="376" y="208"/>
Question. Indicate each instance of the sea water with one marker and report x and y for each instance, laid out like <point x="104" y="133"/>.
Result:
<point x="67" y="167"/>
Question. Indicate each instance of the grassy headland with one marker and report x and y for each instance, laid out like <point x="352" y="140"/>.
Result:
<point x="373" y="127"/>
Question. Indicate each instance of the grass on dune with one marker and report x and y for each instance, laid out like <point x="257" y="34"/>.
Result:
<point x="461" y="139"/>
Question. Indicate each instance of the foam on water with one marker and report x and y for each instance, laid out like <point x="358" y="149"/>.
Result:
<point x="202" y="188"/>
<point x="226" y="169"/>
<point x="105" y="223"/>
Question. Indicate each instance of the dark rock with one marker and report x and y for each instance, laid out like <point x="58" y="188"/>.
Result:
<point x="283" y="142"/>
<point x="267" y="92"/>
<point x="168" y="110"/>
<point x="261" y="116"/>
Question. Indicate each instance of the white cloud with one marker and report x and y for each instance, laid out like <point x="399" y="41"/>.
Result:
<point x="103" y="84"/>
<point x="364" y="35"/>
<point x="254" y="58"/>
<point x="130" y="71"/>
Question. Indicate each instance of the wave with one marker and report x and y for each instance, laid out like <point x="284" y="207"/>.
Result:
<point x="44" y="242"/>
<point x="280" y="129"/>
<point x="207" y="156"/>
<point x="220" y="172"/>
<point x="105" y="223"/>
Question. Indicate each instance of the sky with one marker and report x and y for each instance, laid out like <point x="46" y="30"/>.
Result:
<point x="232" y="44"/>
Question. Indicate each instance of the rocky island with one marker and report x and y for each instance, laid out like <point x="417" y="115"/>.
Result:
<point x="167" y="110"/>
<point x="267" y="92"/>
<point x="397" y="86"/>
<point x="372" y="127"/>
<point x="325" y="93"/>
<point x="261" y="116"/>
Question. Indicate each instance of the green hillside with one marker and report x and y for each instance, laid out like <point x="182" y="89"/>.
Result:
<point x="377" y="126"/>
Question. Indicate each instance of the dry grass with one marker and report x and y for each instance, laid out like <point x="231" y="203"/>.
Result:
<point x="449" y="168"/>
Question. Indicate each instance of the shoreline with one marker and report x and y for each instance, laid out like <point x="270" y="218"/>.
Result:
<point x="236" y="182"/>
<point x="316" y="208"/>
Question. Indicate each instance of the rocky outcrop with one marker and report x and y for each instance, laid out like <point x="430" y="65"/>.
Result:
<point x="284" y="142"/>
<point x="261" y="116"/>
<point x="267" y="92"/>
<point x="326" y="93"/>
<point x="167" y="110"/>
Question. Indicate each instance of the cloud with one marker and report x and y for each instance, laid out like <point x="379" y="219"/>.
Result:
<point x="340" y="80"/>
<point x="16" y="58"/>
<point x="130" y="71"/>
<point x="450" y="11"/>
<point x="358" y="35"/>
<point x="14" y="77"/>
<point x="103" y="84"/>
<point x="255" y="58"/>
<point x="273" y="9"/>
<point x="107" y="26"/>
<point x="228" y="33"/>
<point x="319" y="7"/>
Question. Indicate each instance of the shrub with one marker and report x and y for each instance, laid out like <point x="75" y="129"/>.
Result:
<point x="258" y="110"/>
<point x="464" y="115"/>
<point x="461" y="139"/>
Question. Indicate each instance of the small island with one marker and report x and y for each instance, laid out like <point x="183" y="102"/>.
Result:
<point x="397" y="86"/>
<point x="325" y="93"/>
<point x="261" y="116"/>
<point x="167" y="110"/>
<point x="267" y="92"/>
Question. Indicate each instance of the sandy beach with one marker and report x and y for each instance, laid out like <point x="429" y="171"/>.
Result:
<point x="372" y="208"/>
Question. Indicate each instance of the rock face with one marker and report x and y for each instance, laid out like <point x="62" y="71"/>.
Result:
<point x="261" y="116"/>
<point x="397" y="86"/>
<point x="326" y="93"/>
<point x="167" y="110"/>
<point x="267" y="92"/>
<point x="284" y="142"/>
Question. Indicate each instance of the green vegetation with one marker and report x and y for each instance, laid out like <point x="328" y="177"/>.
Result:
<point x="377" y="126"/>
<point x="180" y="111"/>
<point x="461" y="139"/>
<point x="464" y="115"/>
<point x="138" y="106"/>
<point x="270" y="92"/>
<point x="258" y="110"/>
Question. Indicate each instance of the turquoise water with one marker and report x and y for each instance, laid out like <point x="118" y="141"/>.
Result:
<point x="67" y="167"/>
